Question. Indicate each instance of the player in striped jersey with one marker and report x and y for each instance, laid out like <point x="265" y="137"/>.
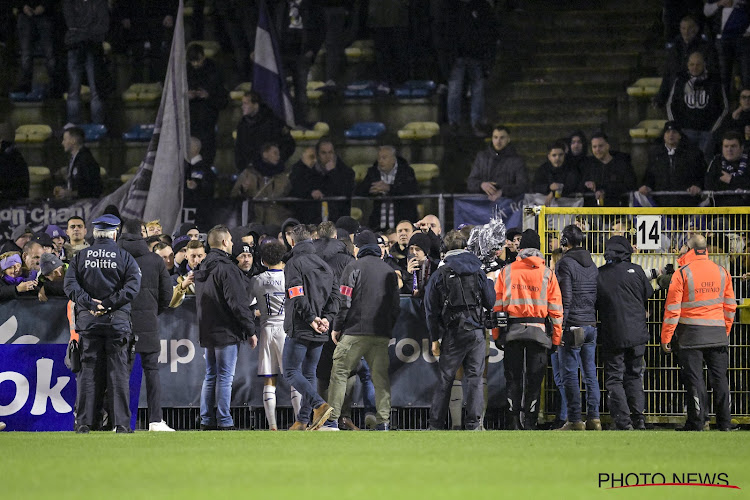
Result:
<point x="269" y="290"/>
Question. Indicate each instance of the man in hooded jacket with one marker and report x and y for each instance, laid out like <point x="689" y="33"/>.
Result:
<point x="623" y="291"/>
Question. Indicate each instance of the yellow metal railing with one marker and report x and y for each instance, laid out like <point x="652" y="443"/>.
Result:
<point x="728" y="233"/>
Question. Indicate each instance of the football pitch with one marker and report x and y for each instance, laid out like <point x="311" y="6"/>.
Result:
<point x="365" y="465"/>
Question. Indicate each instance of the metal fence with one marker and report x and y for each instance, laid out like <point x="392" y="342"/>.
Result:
<point x="728" y="233"/>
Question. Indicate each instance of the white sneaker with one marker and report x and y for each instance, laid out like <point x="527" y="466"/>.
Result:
<point x="2" y="425"/>
<point x="159" y="427"/>
<point x="371" y="421"/>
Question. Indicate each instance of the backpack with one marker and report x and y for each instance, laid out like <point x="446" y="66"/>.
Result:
<point x="462" y="299"/>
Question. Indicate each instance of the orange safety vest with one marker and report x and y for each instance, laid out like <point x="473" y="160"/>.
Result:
<point x="527" y="288"/>
<point x="700" y="303"/>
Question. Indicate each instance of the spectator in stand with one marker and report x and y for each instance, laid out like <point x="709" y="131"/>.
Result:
<point x="13" y="283"/>
<point x="76" y="231"/>
<point x="738" y="119"/>
<point x="167" y="254"/>
<point x="259" y="126"/>
<point x="578" y="150"/>
<point x="18" y="238"/>
<point x="677" y="10"/>
<point x="32" y="254"/>
<point x="328" y="175"/>
<point x="606" y="173"/>
<point x="388" y="23"/>
<point x="199" y="176"/>
<point x="327" y="26"/>
<point x="731" y="24"/>
<point x="291" y="17"/>
<point x="48" y="246"/>
<point x="498" y="170"/>
<point x="400" y="249"/>
<point x="390" y="175"/>
<point x="419" y="265"/>
<point x="58" y="239"/>
<point x="207" y="97"/>
<point x="239" y="20"/>
<point x="475" y="34"/>
<point x="265" y="179"/>
<point x="698" y="103"/>
<point x="675" y="165"/>
<point x="728" y="171"/>
<point x="179" y="246"/>
<point x="153" y="228"/>
<point x="678" y="51"/>
<point x="148" y="27"/>
<point x="51" y="276"/>
<point x="87" y="24"/>
<point x="83" y="178"/>
<point x="556" y="177"/>
<point x="35" y="22"/>
<point x="430" y="222"/>
<point x="14" y="171"/>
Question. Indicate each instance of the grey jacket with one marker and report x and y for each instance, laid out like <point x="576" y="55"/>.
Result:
<point x="505" y="168"/>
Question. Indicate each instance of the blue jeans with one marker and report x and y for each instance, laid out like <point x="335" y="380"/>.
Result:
<point x="460" y="67"/>
<point x="217" y="386"/>
<point x="585" y="357"/>
<point x="554" y="359"/>
<point x="368" y="389"/>
<point x="300" y="361"/>
<point x="28" y="28"/>
<point x="82" y="58"/>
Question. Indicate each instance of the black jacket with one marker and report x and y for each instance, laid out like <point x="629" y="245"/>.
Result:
<point x="205" y="112"/>
<point x="697" y="103"/>
<point x="622" y="293"/>
<point x="546" y="174"/>
<point x="678" y="53"/>
<point x="615" y="178"/>
<point x="405" y="183"/>
<point x="87" y="21"/>
<point x="333" y="252"/>
<point x="255" y="131"/>
<point x="337" y="182"/>
<point x="677" y="172"/>
<point x="312" y="291"/>
<point x="576" y="274"/>
<point x="369" y="298"/>
<point x="461" y="262"/>
<point x="155" y="294"/>
<point x="14" y="173"/>
<point x="107" y="273"/>
<point x="740" y="179"/>
<point x="472" y="30"/>
<point x="85" y="176"/>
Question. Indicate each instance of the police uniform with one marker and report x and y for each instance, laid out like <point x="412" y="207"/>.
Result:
<point x="102" y="281"/>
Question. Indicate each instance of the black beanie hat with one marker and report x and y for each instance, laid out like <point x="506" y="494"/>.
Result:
<point x="348" y="224"/>
<point x="422" y="241"/>
<point x="530" y="239"/>
<point x="365" y="237"/>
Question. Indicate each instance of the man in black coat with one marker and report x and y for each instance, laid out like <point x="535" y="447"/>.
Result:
<point x="207" y="97"/>
<point x="609" y="175"/>
<point x="312" y="303"/>
<point x="328" y="176"/>
<point x="728" y="170"/>
<point x="623" y="291"/>
<point x="556" y="177"/>
<point x="390" y="175"/>
<point x="675" y="165"/>
<point x="576" y="274"/>
<point x="83" y="179"/>
<point x="14" y="171"/>
<point x="259" y="126"/>
<point x="224" y="321"/>
<point x="152" y="300"/>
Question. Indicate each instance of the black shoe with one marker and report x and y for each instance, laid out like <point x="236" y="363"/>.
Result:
<point x="208" y="427"/>
<point x="121" y="429"/>
<point x="688" y="428"/>
<point x="83" y="429"/>
<point x="530" y="424"/>
<point x="383" y="427"/>
<point x="729" y="428"/>
<point x="226" y="428"/>
<point x="628" y="427"/>
<point x="639" y="424"/>
<point x="556" y="424"/>
<point x="513" y="423"/>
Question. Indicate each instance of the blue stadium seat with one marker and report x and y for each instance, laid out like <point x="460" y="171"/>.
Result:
<point x="37" y="94"/>
<point x="415" y="89"/>
<point x="364" y="89"/>
<point x="94" y="132"/>
<point x="365" y="130"/>
<point x="139" y="133"/>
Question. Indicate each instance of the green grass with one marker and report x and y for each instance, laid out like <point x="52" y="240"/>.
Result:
<point x="363" y="465"/>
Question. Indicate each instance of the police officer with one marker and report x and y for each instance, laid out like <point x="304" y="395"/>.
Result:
<point x="455" y="299"/>
<point x="698" y="317"/>
<point x="527" y="290"/>
<point x="102" y="281"/>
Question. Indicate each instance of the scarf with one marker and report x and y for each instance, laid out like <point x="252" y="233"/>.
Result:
<point x="735" y="171"/>
<point x="269" y="170"/>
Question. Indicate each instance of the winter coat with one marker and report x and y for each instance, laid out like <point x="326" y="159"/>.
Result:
<point x="676" y="61"/>
<point x="697" y="103"/>
<point x="546" y="174"/>
<point x="615" y="178"/>
<point x="576" y="274"/>
<point x="405" y="183"/>
<point x="622" y="293"/>
<point x="87" y="21"/>
<point x="205" y="112"/>
<point x="14" y="173"/>
<point x="255" y="131"/>
<point x="224" y="315"/>
<point x="337" y="182"/>
<point x="334" y="253"/>
<point x="155" y="293"/>
<point x="740" y="180"/>
<point x="85" y="175"/>
<point x="677" y="172"/>
<point x="505" y="168"/>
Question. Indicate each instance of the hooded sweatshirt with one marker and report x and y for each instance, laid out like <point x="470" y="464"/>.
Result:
<point x="576" y="274"/>
<point x="333" y="252"/>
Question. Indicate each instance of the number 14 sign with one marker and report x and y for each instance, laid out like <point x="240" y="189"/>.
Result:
<point x="648" y="232"/>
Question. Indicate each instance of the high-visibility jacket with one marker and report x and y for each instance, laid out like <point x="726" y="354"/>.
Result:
<point x="700" y="305"/>
<point x="528" y="289"/>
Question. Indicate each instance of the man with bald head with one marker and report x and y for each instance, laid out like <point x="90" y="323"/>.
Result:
<point x="698" y="317"/>
<point x="390" y="175"/>
<point x="698" y="103"/>
<point x="430" y="222"/>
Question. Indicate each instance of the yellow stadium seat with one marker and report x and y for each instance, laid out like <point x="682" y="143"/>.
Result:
<point x="360" y="50"/>
<point x="143" y="92"/>
<point x="648" y="129"/>
<point x="239" y="91"/>
<point x="319" y="130"/>
<point x="419" y="130"/>
<point x="425" y="172"/>
<point x="360" y="171"/>
<point x="33" y="133"/>
<point x="39" y="174"/>
<point x="210" y="48"/>
<point x="85" y="93"/>
<point x="234" y="135"/>
<point x="313" y="92"/>
<point x="102" y="172"/>
<point x="356" y="213"/>
<point x="644" y="87"/>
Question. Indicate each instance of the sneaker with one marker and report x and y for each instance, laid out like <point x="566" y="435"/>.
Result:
<point x="320" y="415"/>
<point x="82" y="429"/>
<point x="346" y="424"/>
<point x="639" y="424"/>
<point x="371" y="421"/>
<point x="688" y="428"/>
<point x="2" y="426"/>
<point x="573" y="426"/>
<point x="330" y="425"/>
<point x="159" y="427"/>
<point x="729" y="428"/>
<point x="226" y="428"/>
<point x="121" y="429"/>
<point x="628" y="427"/>
<point x="206" y="427"/>
<point x="593" y="424"/>
<point x="298" y="426"/>
<point x="556" y="424"/>
<point x="385" y="426"/>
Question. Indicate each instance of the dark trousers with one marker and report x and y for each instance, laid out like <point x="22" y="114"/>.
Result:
<point x="300" y="359"/>
<point x="100" y="376"/>
<point x="30" y="28"/>
<point x="110" y="346"/>
<point x="465" y="349"/>
<point x="717" y="361"/>
<point x="525" y="364"/>
<point x="623" y="378"/>
<point x="390" y="55"/>
<point x="150" y="364"/>
<point x="734" y="51"/>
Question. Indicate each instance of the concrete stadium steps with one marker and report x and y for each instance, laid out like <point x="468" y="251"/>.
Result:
<point x="587" y="59"/>
<point x="520" y="115"/>
<point x="567" y="75"/>
<point x="564" y="90"/>
<point x="549" y="131"/>
<point x="590" y="43"/>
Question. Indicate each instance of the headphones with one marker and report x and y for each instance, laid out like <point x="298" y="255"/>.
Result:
<point x="563" y="240"/>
